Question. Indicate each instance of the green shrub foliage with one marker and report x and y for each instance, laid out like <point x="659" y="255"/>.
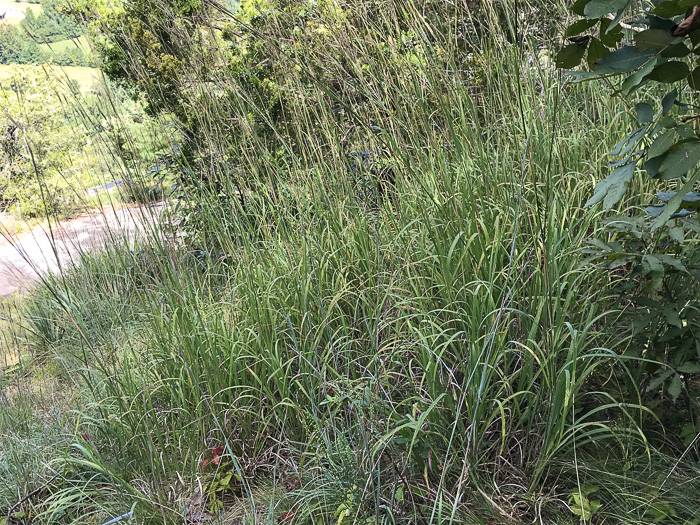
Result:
<point x="650" y="56"/>
<point x="53" y="23"/>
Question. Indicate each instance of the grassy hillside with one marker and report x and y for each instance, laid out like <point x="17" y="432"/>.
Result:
<point x="87" y="77"/>
<point x="63" y="45"/>
<point x="375" y="300"/>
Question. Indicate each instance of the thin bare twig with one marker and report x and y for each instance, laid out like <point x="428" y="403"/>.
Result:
<point x="34" y="492"/>
<point x="610" y="16"/>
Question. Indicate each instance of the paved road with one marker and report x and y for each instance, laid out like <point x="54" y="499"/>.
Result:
<point x="41" y="250"/>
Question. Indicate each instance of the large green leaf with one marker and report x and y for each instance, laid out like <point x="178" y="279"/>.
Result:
<point x="598" y="8"/>
<point x="578" y="6"/>
<point x="627" y="58"/>
<point x="669" y="9"/>
<point x="613" y="188"/>
<point x="689" y="367"/>
<point x="657" y="22"/>
<point x="654" y="39"/>
<point x="610" y="35"/>
<point x="690" y="198"/>
<point x="570" y="56"/>
<point x="675" y="202"/>
<point x="673" y="262"/>
<point x="659" y="380"/>
<point x="675" y="389"/>
<point x="579" y="27"/>
<point x="596" y="50"/>
<point x="652" y="165"/>
<point x="677" y="234"/>
<point x="681" y="159"/>
<point x="668" y="101"/>
<point x="656" y="269"/>
<point x="662" y="144"/>
<point x="645" y="113"/>
<point x="679" y="50"/>
<point x="669" y="72"/>
<point x="637" y="79"/>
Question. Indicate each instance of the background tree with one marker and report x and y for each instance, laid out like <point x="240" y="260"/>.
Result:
<point x="17" y="48"/>
<point x="53" y="23"/>
<point x="43" y="164"/>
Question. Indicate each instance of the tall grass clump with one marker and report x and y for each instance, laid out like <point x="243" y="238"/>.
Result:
<point x="374" y="309"/>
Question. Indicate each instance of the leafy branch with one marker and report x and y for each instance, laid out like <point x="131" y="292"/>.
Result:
<point x="644" y="44"/>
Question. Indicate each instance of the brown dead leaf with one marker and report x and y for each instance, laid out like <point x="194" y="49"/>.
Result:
<point x="688" y="25"/>
<point x="195" y="513"/>
<point x="291" y="483"/>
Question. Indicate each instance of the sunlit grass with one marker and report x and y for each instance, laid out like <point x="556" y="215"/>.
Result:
<point x="65" y="45"/>
<point x="87" y="77"/>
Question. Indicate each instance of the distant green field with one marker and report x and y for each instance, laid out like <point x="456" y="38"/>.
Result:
<point x="62" y="45"/>
<point x="86" y="76"/>
<point x="14" y="11"/>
